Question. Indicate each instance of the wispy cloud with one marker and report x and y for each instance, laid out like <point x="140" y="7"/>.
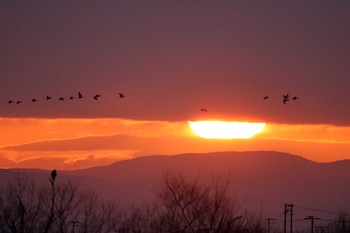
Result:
<point x="24" y="130"/>
<point x="307" y="133"/>
<point x="62" y="159"/>
<point x="81" y="143"/>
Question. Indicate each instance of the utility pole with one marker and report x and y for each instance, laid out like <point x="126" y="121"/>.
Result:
<point x="285" y="218"/>
<point x="291" y="217"/>
<point x="74" y="225"/>
<point x="268" y="224"/>
<point x="288" y="209"/>
<point x="312" y="218"/>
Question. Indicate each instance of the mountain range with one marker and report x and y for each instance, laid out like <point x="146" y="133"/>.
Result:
<point x="259" y="180"/>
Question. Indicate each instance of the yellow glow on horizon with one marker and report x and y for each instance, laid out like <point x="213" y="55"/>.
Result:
<point x="225" y="129"/>
<point x="75" y="143"/>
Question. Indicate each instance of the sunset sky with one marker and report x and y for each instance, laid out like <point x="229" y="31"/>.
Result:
<point x="171" y="59"/>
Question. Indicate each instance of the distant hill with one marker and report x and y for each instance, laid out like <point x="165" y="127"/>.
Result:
<point x="258" y="180"/>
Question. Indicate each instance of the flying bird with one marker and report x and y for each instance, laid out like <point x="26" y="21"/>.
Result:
<point x="204" y="110"/>
<point x="80" y="96"/>
<point x="285" y="98"/>
<point x="34" y="100"/>
<point x="61" y="99"/>
<point x="48" y="97"/>
<point x="18" y="102"/>
<point x="266" y="97"/>
<point x="71" y="98"/>
<point x="121" y="95"/>
<point x="97" y="96"/>
<point x="10" y="102"/>
<point x="295" y="98"/>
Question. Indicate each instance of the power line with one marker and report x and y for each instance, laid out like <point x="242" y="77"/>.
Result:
<point x="334" y="220"/>
<point x="317" y="210"/>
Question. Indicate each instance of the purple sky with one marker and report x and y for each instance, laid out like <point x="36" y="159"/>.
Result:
<point x="172" y="58"/>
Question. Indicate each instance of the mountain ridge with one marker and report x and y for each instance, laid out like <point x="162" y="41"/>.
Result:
<point x="254" y="177"/>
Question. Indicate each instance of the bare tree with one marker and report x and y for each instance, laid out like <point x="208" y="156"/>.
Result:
<point x="51" y="207"/>
<point x="341" y="223"/>
<point x="91" y="220"/>
<point x="98" y="216"/>
<point x="111" y="216"/>
<point x="66" y="205"/>
<point x="189" y="206"/>
<point x="182" y="205"/>
<point x="26" y="207"/>
<point x="21" y="207"/>
<point x="253" y="222"/>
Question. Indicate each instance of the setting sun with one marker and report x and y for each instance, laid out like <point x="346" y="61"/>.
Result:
<point x="225" y="130"/>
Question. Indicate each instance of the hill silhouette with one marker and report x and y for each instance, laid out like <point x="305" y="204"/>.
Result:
<point x="263" y="180"/>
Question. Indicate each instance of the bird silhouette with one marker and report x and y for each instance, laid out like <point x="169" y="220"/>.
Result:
<point x="121" y="95"/>
<point x="53" y="174"/>
<point x="71" y="98"/>
<point x="204" y="110"/>
<point x="266" y="97"/>
<point x="18" y="102"/>
<point x="48" y="97"/>
<point x="61" y="99"/>
<point x="97" y="96"/>
<point x="285" y="98"/>
<point x="10" y="102"/>
<point x="80" y="96"/>
<point x="34" y="100"/>
<point x="295" y="98"/>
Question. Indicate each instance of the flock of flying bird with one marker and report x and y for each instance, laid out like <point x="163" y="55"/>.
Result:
<point x="285" y="99"/>
<point x="80" y="96"/>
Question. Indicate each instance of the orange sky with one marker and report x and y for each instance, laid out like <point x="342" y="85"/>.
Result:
<point x="170" y="59"/>
<point x="82" y="143"/>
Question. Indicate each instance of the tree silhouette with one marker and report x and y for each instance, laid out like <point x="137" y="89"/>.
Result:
<point x="190" y="206"/>
<point x="181" y="205"/>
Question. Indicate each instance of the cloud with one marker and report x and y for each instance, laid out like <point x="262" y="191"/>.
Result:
<point x="66" y="160"/>
<point x="17" y="131"/>
<point x="82" y="143"/>
<point x="307" y="133"/>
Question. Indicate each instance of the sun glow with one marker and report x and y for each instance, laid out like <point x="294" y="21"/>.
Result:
<point x="225" y="130"/>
